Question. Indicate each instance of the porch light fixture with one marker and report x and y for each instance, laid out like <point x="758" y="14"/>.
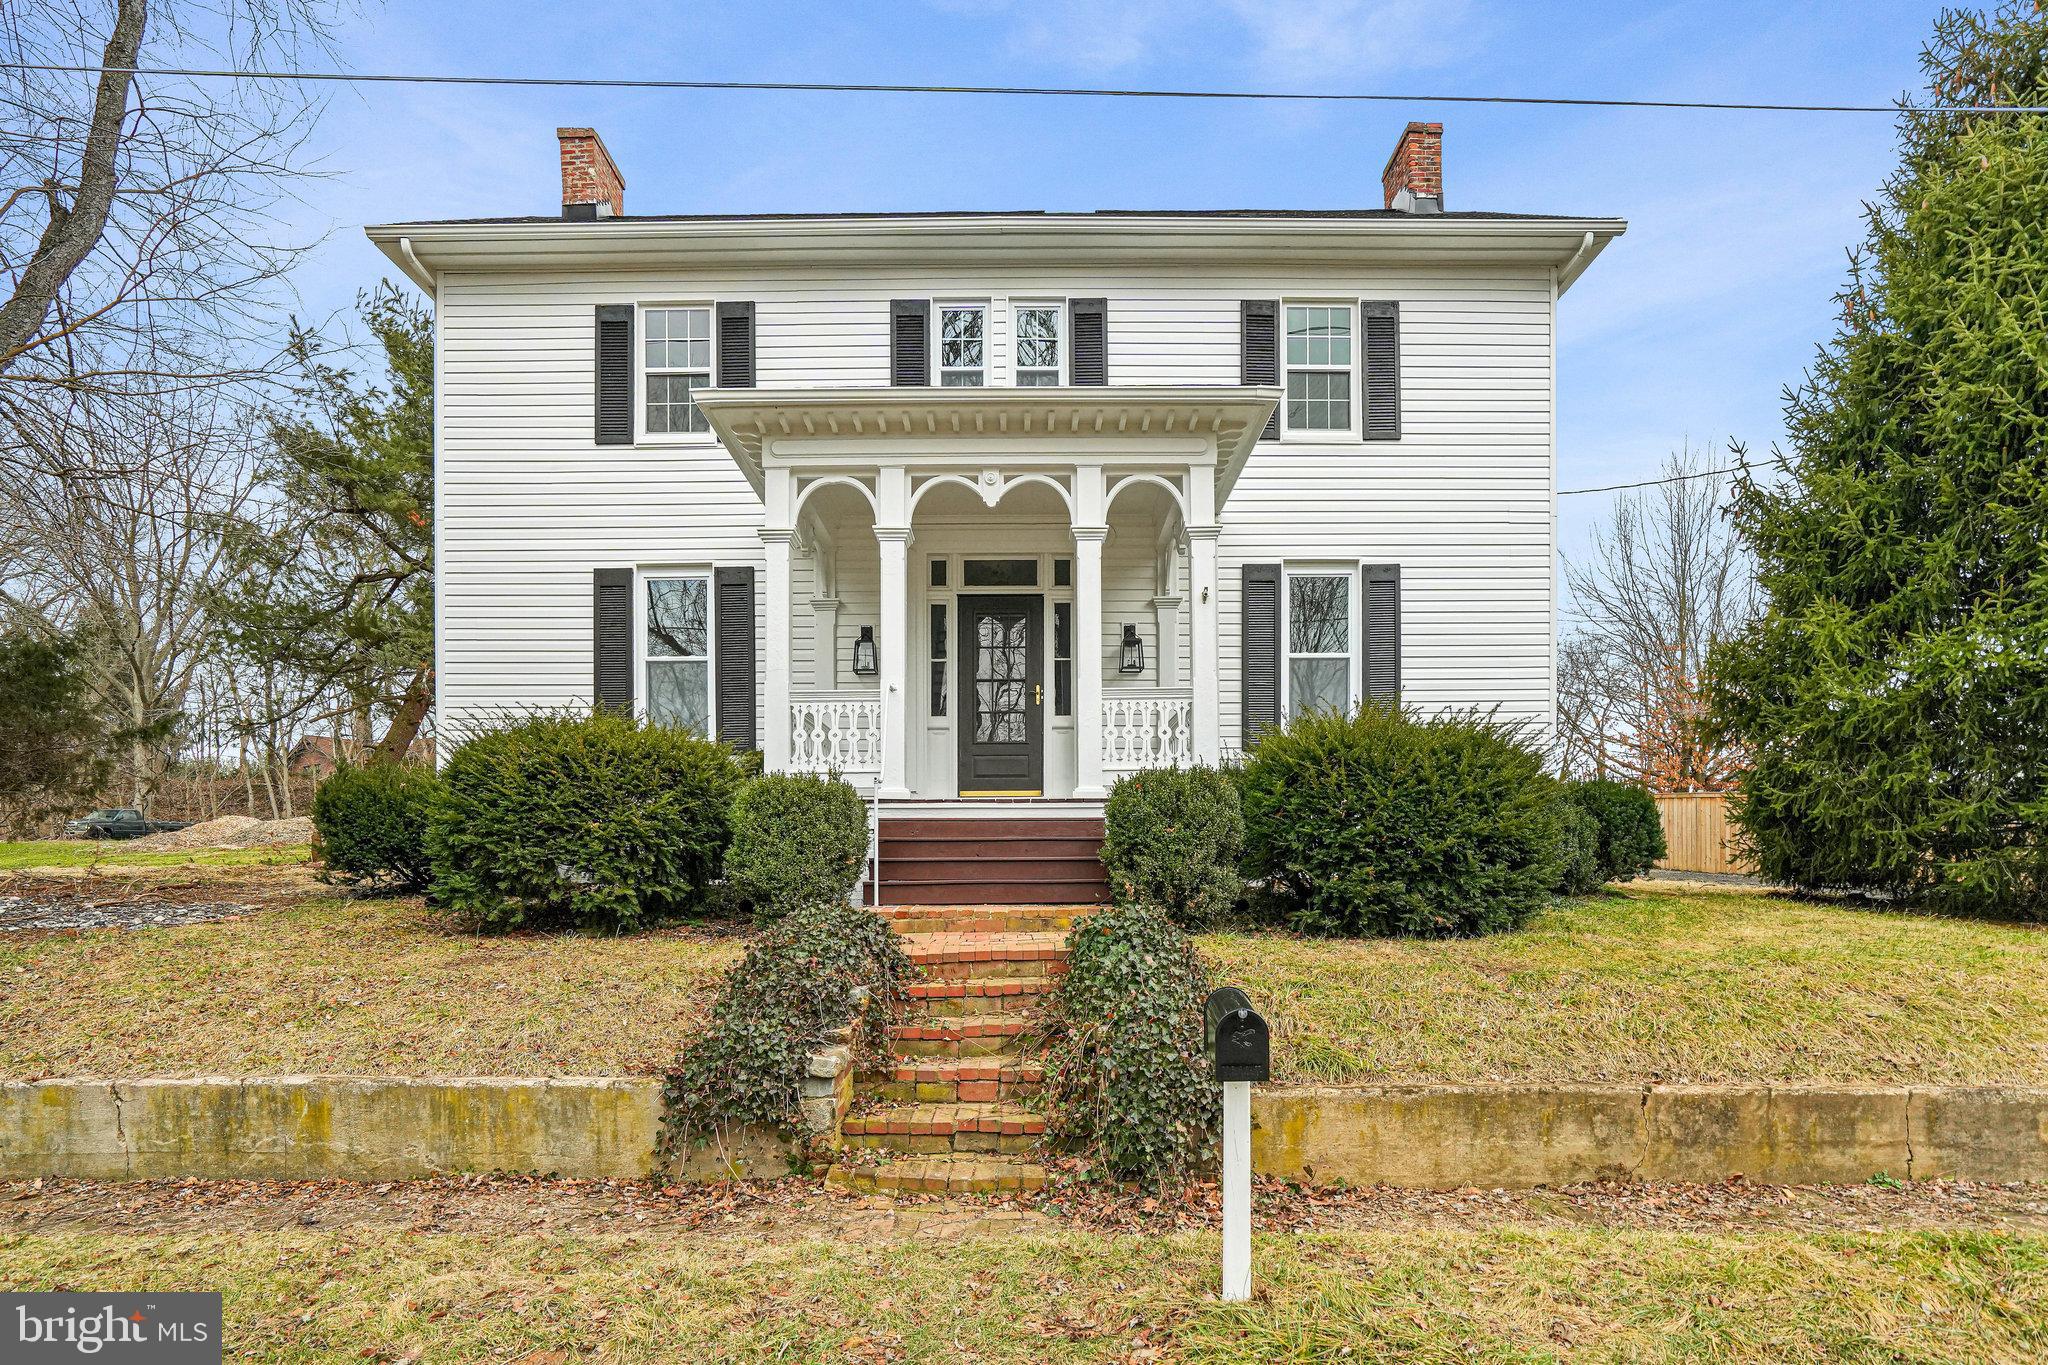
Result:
<point x="1134" y="651"/>
<point x="864" y="651"/>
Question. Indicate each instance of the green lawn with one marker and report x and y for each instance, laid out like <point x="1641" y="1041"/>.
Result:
<point x="1658" y="981"/>
<point x="35" y="853"/>
<point x="348" y="986"/>
<point x="1512" y="1294"/>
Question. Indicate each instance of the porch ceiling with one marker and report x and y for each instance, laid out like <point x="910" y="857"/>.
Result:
<point x="908" y="423"/>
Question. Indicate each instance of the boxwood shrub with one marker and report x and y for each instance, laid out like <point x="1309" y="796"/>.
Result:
<point x="1377" y="822"/>
<point x="1126" y="1074"/>
<point x="1174" y="837"/>
<point x="372" y="824"/>
<point x="1631" y="834"/>
<point x="592" y="822"/>
<point x="796" y="840"/>
<point x="1578" y="848"/>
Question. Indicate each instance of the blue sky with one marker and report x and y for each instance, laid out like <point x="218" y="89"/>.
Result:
<point x="1687" y="329"/>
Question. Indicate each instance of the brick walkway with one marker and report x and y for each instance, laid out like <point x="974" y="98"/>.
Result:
<point x="949" y="1115"/>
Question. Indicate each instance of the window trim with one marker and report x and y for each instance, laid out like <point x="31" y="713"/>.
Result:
<point x="938" y="342"/>
<point x="1353" y="683"/>
<point x="1348" y="435"/>
<point x="644" y="579"/>
<point x="1061" y="310"/>
<point x="641" y="435"/>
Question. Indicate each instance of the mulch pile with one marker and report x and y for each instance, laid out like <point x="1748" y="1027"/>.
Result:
<point x="230" y="831"/>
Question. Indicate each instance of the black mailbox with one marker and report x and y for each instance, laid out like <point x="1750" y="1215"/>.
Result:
<point x="1240" y="1046"/>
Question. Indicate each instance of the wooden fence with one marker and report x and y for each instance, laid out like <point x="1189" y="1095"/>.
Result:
<point x="1697" y="833"/>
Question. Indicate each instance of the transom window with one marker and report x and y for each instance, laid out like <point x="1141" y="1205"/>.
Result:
<point x="1318" y="643"/>
<point x="1038" y="345"/>
<point x="679" y="653"/>
<point x="963" y="345"/>
<point x="678" y="354"/>
<point x="1318" y="367"/>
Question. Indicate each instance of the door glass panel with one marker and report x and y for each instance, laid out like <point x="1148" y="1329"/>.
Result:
<point x="1001" y="687"/>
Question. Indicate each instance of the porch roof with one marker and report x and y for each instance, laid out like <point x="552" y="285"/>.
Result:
<point x="1096" y="419"/>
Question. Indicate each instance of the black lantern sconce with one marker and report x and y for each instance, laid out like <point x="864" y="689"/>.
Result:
<point x="1133" y="651"/>
<point x="864" y="652"/>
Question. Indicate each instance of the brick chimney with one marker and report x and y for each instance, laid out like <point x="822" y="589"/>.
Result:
<point x="1414" y="177"/>
<point x="591" y="184"/>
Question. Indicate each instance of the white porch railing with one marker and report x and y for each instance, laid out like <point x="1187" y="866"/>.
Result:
<point x="835" y="732"/>
<point x="1149" y="729"/>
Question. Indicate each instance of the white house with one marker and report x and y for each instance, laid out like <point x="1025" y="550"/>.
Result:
<point x="984" y="509"/>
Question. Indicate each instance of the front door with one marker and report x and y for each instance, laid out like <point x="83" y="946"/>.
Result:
<point x="1002" y="686"/>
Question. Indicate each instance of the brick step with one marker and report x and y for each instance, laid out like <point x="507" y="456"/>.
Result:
<point x="982" y="919"/>
<point x="986" y="1035"/>
<point x="947" y="1082"/>
<point x="942" y="1174"/>
<point x="965" y="998"/>
<point x="897" y="891"/>
<point x="944" y="1128"/>
<point x="946" y="949"/>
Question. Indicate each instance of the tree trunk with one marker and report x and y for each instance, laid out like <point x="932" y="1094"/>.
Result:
<point x="406" y="721"/>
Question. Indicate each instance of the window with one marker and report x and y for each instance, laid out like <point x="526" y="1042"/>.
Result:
<point x="1318" y="367"/>
<point x="938" y="573"/>
<point x="1063" y="658"/>
<point x="1038" y="344"/>
<point x="963" y="345"/>
<point x="678" y="356"/>
<point x="679" y="653"/>
<point x="1318" y="643"/>
<point x="938" y="632"/>
<point x="1063" y="573"/>
<point x="1000" y="573"/>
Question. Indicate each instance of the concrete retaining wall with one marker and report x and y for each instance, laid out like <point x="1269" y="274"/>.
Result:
<point x="370" y="1128"/>
<point x="1508" y="1136"/>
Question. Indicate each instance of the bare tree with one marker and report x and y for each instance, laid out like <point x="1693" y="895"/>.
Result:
<point x="1666" y="578"/>
<point x="116" y="534"/>
<point x="138" y="215"/>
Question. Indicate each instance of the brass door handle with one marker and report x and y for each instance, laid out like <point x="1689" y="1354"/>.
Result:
<point x="1038" y="694"/>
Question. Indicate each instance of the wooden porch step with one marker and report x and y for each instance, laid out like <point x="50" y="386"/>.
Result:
<point x="992" y="827"/>
<point x="897" y="891"/>
<point x="943" y="1174"/>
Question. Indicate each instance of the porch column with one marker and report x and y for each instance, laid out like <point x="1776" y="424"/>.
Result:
<point x="776" y="536"/>
<point x="825" y="655"/>
<point x="894" y="649"/>
<point x="1088" y="660"/>
<point x="1166" y="630"/>
<point x="1202" y="639"/>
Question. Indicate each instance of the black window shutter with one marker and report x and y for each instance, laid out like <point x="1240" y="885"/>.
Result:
<point x="1259" y="651"/>
<point x="611" y="638"/>
<point x="910" y="349"/>
<point x="615" y="374"/>
<point x="1088" y="322"/>
<point x="735" y="647"/>
<point x="1382" y="326"/>
<point x="1258" y="335"/>
<point x="736" y="345"/>
<point x="1382" y="671"/>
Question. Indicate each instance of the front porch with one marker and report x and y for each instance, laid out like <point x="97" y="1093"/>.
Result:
<point x="986" y="596"/>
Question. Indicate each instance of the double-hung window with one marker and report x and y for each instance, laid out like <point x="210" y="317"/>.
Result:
<point x="678" y="652"/>
<point x="1319" y="635"/>
<point x="963" y="345"/>
<point x="1038" y="345"/>
<point x="1319" y="355"/>
<point x="677" y="350"/>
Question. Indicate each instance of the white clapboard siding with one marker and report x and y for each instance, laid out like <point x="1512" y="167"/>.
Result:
<point x="1463" y="502"/>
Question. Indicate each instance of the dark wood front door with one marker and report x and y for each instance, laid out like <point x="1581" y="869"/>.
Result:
<point x="1002" y="691"/>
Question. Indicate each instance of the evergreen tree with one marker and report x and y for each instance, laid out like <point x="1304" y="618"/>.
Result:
<point x="1894" y="693"/>
<point x="55" y="749"/>
<point x="338" y="572"/>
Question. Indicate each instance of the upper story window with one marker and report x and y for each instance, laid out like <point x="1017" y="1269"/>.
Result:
<point x="678" y="652"/>
<point x="678" y="363"/>
<point x="1038" y="344"/>
<point x="1319" y="636"/>
<point x="963" y="345"/>
<point x="1319" y="367"/>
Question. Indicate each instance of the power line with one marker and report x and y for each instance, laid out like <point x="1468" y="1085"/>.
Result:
<point x="1651" y="483"/>
<point x="1060" y="91"/>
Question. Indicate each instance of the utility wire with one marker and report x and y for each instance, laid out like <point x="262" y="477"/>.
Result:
<point x="1086" y="92"/>
<point x="1650" y="483"/>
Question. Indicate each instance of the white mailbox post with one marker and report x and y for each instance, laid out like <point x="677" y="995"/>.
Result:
<point x="1240" y="1049"/>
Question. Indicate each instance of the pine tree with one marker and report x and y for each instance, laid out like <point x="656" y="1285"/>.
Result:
<point x="1894" y="693"/>
<point x="55" y="747"/>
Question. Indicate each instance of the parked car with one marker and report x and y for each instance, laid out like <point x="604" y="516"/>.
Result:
<point x="120" y="822"/>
